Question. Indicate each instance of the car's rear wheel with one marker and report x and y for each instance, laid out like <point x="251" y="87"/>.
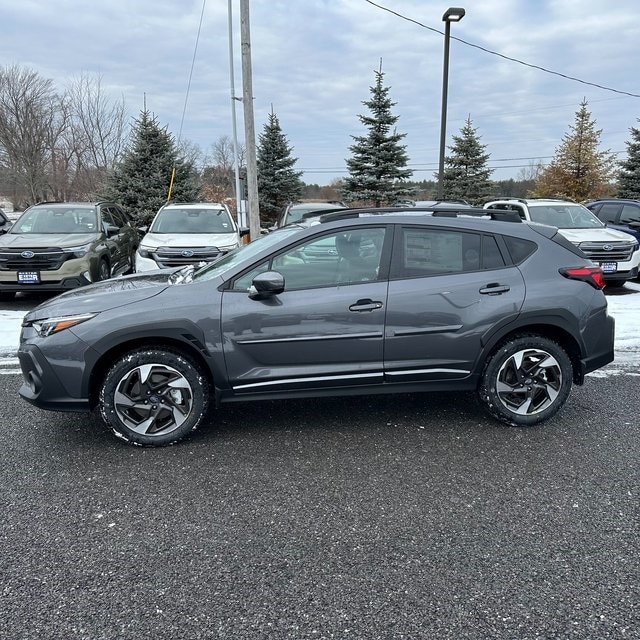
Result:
<point x="153" y="397"/>
<point x="526" y="381"/>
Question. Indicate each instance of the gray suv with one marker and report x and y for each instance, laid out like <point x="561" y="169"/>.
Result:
<point x="395" y="301"/>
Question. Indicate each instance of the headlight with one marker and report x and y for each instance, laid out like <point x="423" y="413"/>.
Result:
<point x="78" y="252"/>
<point x="49" y="326"/>
<point x="145" y="252"/>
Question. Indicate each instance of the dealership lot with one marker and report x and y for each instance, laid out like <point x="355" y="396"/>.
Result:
<point x="410" y="516"/>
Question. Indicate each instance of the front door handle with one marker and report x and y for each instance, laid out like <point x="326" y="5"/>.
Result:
<point x="366" y="305"/>
<point x="495" y="288"/>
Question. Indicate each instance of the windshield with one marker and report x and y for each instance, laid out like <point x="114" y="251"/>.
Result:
<point x="57" y="220"/>
<point x="242" y="254"/>
<point x="564" y="216"/>
<point x="190" y="220"/>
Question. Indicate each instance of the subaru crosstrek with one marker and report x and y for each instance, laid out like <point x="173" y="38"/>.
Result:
<point x="405" y="302"/>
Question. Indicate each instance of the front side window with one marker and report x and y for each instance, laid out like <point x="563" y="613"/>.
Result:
<point x="337" y="258"/>
<point x="609" y="212"/>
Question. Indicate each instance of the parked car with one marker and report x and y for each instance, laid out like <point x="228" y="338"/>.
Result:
<point x="295" y="212"/>
<point x="5" y="223"/>
<point x="620" y="214"/>
<point x="616" y="252"/>
<point x="410" y="302"/>
<point x="187" y="233"/>
<point x="54" y="246"/>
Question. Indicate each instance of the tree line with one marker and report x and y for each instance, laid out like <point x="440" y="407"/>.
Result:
<point x="79" y="144"/>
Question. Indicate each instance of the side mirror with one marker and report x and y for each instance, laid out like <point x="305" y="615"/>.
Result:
<point x="112" y="230"/>
<point x="266" y="284"/>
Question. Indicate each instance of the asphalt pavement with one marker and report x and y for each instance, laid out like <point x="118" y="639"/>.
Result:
<point x="378" y="517"/>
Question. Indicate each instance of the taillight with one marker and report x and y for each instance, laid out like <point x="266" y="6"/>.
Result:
<point x="593" y="275"/>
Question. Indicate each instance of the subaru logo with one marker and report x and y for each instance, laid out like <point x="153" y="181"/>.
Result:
<point x="187" y="253"/>
<point x="607" y="247"/>
<point x="27" y="254"/>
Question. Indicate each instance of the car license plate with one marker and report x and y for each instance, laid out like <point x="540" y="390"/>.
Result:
<point x="29" y="277"/>
<point x="609" y="267"/>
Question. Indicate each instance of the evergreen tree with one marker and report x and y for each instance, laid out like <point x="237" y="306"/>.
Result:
<point x="466" y="175"/>
<point x="629" y="179"/>
<point x="377" y="167"/>
<point x="278" y="182"/>
<point x="140" y="183"/>
<point x="578" y="170"/>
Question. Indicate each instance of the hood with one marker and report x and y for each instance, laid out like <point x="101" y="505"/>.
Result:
<point x="102" y="296"/>
<point x="604" y="234"/>
<point x="44" y="240"/>
<point x="156" y="240"/>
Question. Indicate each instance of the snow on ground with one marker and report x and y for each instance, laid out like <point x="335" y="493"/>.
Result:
<point x="623" y="306"/>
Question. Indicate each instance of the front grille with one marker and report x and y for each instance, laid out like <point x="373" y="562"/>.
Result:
<point x="166" y="257"/>
<point x="608" y="251"/>
<point x="48" y="259"/>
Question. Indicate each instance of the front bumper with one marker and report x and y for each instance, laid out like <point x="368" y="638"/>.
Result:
<point x="46" y="388"/>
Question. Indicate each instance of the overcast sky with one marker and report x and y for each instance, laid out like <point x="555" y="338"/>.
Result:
<point x="314" y="62"/>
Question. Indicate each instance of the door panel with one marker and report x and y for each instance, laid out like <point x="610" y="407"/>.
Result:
<point x="304" y="339"/>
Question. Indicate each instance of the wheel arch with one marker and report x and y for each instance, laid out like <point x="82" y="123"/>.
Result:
<point x="175" y="345"/>
<point x="546" y="328"/>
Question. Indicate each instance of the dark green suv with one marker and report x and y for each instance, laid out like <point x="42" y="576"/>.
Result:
<point x="55" y="246"/>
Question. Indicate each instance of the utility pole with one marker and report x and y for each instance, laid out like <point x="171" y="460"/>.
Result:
<point x="249" y="127"/>
<point x="236" y="168"/>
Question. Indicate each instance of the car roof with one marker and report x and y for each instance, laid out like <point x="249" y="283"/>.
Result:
<point x="193" y="205"/>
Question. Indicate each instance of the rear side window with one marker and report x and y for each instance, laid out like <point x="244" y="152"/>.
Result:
<point x="420" y="252"/>
<point x="521" y="249"/>
<point x="630" y="213"/>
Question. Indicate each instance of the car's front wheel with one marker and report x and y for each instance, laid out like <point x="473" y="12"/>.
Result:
<point x="153" y="396"/>
<point x="526" y="381"/>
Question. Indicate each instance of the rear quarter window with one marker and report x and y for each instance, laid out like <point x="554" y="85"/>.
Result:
<point x="520" y="249"/>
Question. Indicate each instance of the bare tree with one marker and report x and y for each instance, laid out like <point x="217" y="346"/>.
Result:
<point x="99" y="132"/>
<point x="28" y="113"/>
<point x="218" y="174"/>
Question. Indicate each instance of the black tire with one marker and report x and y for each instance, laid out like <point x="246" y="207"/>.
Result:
<point x="526" y="381"/>
<point x="153" y="397"/>
<point x="104" y="272"/>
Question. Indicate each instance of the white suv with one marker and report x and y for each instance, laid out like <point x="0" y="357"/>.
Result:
<point x="615" y="251"/>
<point x="187" y="233"/>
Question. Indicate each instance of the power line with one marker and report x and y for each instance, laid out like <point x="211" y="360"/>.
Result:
<point x="500" y="55"/>
<point x="193" y="61"/>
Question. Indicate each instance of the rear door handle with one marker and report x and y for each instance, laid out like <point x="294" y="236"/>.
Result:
<point x="366" y="305"/>
<point x="494" y="288"/>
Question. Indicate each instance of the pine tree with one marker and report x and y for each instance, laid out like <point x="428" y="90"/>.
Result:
<point x="377" y="166"/>
<point x="578" y="170"/>
<point x="466" y="175"/>
<point x="278" y="182"/>
<point x="629" y="179"/>
<point x="140" y="183"/>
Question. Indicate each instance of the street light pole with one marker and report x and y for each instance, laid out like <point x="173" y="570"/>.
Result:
<point x="452" y="14"/>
